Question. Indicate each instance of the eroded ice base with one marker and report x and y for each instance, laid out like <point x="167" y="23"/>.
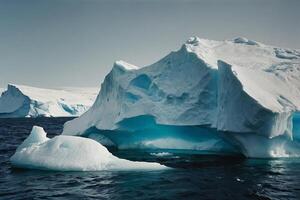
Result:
<point x="144" y="133"/>
<point x="71" y="153"/>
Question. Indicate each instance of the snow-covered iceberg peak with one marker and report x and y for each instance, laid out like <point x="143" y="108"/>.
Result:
<point x="71" y="153"/>
<point x="234" y="85"/>
<point x="124" y="65"/>
<point x="26" y="101"/>
<point x="37" y="136"/>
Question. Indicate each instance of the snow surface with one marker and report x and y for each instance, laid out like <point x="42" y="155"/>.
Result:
<point x="237" y="85"/>
<point x="26" y="101"/>
<point x="71" y="153"/>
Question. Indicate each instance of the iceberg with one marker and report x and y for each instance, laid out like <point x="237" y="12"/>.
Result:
<point x="26" y="101"/>
<point x="236" y="88"/>
<point x="71" y="153"/>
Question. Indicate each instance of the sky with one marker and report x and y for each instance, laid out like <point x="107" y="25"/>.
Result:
<point x="72" y="43"/>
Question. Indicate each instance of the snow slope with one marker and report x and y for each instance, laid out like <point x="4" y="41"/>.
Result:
<point x="26" y="101"/>
<point x="235" y="85"/>
<point x="70" y="153"/>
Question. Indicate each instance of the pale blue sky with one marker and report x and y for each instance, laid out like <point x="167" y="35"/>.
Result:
<point x="75" y="42"/>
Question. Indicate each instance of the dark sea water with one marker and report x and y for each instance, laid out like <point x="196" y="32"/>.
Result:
<point x="195" y="176"/>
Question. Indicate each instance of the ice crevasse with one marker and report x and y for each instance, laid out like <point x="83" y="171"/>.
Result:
<point x="238" y="87"/>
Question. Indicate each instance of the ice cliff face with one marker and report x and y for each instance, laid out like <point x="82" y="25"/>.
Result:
<point x="25" y="101"/>
<point x="234" y="86"/>
<point x="257" y="101"/>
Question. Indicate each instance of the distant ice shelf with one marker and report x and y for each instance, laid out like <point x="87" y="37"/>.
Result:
<point x="237" y="86"/>
<point x="26" y="101"/>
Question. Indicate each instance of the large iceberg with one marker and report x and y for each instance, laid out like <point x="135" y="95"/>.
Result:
<point x="26" y="101"/>
<point x="237" y="87"/>
<point x="70" y="153"/>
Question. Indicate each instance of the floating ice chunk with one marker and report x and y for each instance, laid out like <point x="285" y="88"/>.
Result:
<point x="161" y="154"/>
<point x="71" y="153"/>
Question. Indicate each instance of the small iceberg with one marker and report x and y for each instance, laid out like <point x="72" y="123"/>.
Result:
<point x="70" y="153"/>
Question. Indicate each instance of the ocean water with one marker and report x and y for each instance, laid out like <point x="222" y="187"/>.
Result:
<point x="195" y="175"/>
